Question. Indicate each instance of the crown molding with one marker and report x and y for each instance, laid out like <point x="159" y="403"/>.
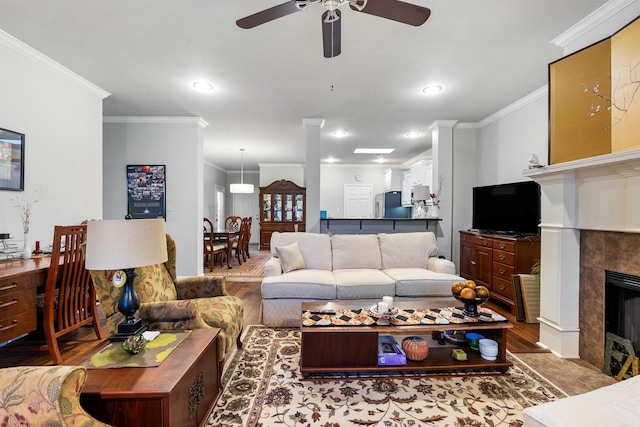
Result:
<point x="155" y="120"/>
<point x="591" y="21"/>
<point x="27" y="51"/>
<point x="522" y="102"/>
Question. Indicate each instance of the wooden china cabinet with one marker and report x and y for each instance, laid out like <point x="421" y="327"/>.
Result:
<point x="282" y="207"/>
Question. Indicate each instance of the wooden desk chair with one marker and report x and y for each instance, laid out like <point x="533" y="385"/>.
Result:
<point x="69" y="296"/>
<point x="213" y="249"/>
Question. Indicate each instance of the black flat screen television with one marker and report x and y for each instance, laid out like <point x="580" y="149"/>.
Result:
<point x="512" y="208"/>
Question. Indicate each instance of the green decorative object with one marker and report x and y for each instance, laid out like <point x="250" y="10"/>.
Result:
<point x="134" y="344"/>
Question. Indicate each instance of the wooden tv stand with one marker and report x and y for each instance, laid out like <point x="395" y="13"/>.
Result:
<point x="491" y="259"/>
<point x="326" y="349"/>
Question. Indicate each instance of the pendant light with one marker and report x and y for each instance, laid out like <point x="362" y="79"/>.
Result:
<point x="242" y="187"/>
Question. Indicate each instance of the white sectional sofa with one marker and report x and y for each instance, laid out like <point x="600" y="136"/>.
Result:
<point x="363" y="267"/>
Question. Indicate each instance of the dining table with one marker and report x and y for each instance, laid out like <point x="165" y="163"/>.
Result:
<point x="228" y="234"/>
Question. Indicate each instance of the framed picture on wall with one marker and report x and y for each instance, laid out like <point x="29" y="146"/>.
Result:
<point x="146" y="191"/>
<point x="11" y="160"/>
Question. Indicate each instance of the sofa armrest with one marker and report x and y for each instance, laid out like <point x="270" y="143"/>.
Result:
<point x="177" y="314"/>
<point x="201" y="287"/>
<point x="273" y="267"/>
<point x="441" y="265"/>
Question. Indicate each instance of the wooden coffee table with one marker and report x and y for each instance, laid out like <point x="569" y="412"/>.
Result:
<point x="180" y="392"/>
<point x="326" y="349"/>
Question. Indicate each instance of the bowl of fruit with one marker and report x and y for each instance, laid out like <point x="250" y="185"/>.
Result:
<point x="471" y="295"/>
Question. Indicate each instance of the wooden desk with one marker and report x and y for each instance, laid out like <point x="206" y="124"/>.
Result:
<point x="229" y="234"/>
<point x="180" y="392"/>
<point x="19" y="280"/>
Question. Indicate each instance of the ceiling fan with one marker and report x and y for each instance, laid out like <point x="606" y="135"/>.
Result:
<point x="390" y="9"/>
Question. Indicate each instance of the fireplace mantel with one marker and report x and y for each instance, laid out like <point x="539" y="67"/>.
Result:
<point x="597" y="193"/>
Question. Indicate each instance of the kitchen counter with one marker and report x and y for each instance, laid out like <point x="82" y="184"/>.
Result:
<point x="377" y="225"/>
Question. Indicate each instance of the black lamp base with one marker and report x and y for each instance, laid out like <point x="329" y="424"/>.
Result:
<point x="126" y="329"/>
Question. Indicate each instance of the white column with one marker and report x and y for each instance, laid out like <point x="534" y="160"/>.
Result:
<point x="560" y="265"/>
<point x="442" y="151"/>
<point x="312" y="173"/>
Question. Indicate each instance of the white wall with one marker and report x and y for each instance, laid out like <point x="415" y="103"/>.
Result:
<point x="213" y="175"/>
<point x="60" y="114"/>
<point x="176" y="142"/>
<point x="333" y="177"/>
<point x="276" y="172"/>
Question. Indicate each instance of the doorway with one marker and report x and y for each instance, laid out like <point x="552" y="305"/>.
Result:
<point x="219" y="214"/>
<point x="246" y="204"/>
<point x="358" y="200"/>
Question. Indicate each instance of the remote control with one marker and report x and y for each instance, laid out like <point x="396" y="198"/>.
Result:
<point x="323" y="312"/>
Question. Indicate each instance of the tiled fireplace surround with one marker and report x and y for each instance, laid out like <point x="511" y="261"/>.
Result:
<point x="600" y="251"/>
<point x="590" y="223"/>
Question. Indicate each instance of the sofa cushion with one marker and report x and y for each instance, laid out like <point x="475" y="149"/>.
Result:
<point x="354" y="283"/>
<point x="407" y="249"/>
<point x="291" y="257"/>
<point x="309" y="283"/>
<point x="314" y="247"/>
<point x="355" y="251"/>
<point x="420" y="282"/>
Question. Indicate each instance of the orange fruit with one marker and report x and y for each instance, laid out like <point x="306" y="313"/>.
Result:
<point x="482" y="292"/>
<point x="470" y="284"/>
<point x="468" y="293"/>
<point x="456" y="288"/>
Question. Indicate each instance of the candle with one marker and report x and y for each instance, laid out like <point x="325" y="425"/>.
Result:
<point x="383" y="307"/>
<point x="388" y="301"/>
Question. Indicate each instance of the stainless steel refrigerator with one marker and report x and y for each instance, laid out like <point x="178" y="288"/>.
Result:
<point x="389" y="205"/>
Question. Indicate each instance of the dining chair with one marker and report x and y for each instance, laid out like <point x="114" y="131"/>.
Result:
<point x="213" y="249"/>
<point x="69" y="296"/>
<point x="233" y="222"/>
<point x="240" y="246"/>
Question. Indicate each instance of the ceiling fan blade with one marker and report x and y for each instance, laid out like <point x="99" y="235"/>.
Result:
<point x="331" y="33"/>
<point x="395" y="10"/>
<point x="267" y="15"/>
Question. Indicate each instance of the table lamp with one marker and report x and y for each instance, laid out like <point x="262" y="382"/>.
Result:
<point x="124" y="245"/>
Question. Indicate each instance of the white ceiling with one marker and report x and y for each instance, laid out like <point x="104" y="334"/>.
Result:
<point x="486" y="53"/>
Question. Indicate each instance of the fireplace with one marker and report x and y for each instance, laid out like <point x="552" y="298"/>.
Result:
<point x="622" y="306"/>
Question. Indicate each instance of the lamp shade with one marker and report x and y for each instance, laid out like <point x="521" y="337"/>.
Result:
<point x="241" y="188"/>
<point x="120" y="244"/>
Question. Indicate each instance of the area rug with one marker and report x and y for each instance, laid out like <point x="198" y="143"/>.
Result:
<point x="263" y="387"/>
<point x="253" y="267"/>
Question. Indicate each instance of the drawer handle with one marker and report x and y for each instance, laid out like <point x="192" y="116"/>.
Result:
<point x="473" y="263"/>
<point x="502" y="287"/>
<point x="485" y="242"/>
<point x="502" y="271"/>
<point x="4" y="328"/>
<point x="7" y="304"/>
<point x="502" y="257"/>
<point x="11" y="286"/>
<point x="502" y="246"/>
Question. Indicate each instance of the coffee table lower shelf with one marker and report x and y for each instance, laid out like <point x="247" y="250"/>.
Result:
<point x="438" y="360"/>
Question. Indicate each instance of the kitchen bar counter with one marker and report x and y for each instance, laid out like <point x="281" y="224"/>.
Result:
<point x="377" y="225"/>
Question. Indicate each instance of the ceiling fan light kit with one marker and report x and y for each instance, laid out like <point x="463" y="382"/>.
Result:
<point x="394" y="10"/>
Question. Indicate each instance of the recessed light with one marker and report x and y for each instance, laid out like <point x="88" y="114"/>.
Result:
<point x="339" y="134"/>
<point x="413" y="135"/>
<point x="203" y="86"/>
<point x="331" y="160"/>
<point x="373" y="150"/>
<point x="432" y="89"/>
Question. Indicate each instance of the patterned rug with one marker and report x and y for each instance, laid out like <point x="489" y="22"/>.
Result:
<point x="253" y="267"/>
<point x="263" y="387"/>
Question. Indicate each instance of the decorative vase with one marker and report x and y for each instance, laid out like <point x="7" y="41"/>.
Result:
<point x="434" y="211"/>
<point x="416" y="348"/>
<point x="26" y="250"/>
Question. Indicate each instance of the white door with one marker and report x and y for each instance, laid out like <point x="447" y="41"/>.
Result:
<point x="358" y="201"/>
<point x="246" y="204"/>
<point x="219" y="219"/>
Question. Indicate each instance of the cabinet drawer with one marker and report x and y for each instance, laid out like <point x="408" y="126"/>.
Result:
<point x="502" y="287"/>
<point x="502" y="257"/>
<point x="504" y="245"/>
<point x="476" y="240"/>
<point x="504" y="271"/>
<point x="14" y="326"/>
<point x="14" y="303"/>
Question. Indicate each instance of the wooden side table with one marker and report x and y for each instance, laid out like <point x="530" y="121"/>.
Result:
<point x="180" y="392"/>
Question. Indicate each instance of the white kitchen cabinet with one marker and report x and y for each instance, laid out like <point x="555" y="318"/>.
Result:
<point x="392" y="180"/>
<point x="406" y="188"/>
<point x="421" y="173"/>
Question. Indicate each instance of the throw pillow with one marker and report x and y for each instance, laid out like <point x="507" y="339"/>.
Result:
<point x="291" y="257"/>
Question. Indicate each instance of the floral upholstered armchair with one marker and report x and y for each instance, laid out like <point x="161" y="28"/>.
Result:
<point x="44" y="396"/>
<point x="167" y="303"/>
